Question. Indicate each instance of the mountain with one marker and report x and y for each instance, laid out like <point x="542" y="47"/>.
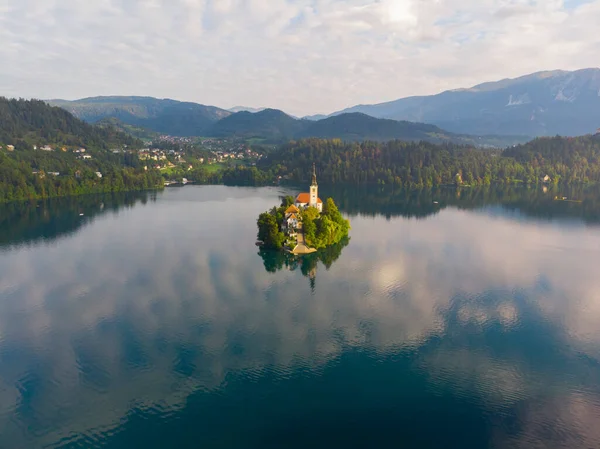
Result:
<point x="25" y="123"/>
<point x="245" y="109"/>
<point x="356" y="126"/>
<point x="315" y="117"/>
<point x="143" y="117"/>
<point x="274" y="125"/>
<point x="171" y="117"/>
<point x="269" y="124"/>
<point x="132" y="130"/>
<point x="540" y="104"/>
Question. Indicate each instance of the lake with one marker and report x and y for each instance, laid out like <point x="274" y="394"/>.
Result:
<point x="450" y="318"/>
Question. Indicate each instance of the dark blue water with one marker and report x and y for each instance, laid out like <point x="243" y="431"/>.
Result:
<point x="152" y="321"/>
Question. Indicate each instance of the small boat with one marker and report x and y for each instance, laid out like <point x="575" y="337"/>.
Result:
<point x="435" y="202"/>
<point x="81" y="215"/>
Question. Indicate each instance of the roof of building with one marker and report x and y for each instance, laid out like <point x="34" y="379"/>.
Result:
<point x="292" y="210"/>
<point x="292" y="217"/>
<point x="304" y="198"/>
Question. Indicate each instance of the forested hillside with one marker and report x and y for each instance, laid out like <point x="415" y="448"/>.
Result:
<point x="24" y="123"/>
<point x="562" y="160"/>
<point x="76" y="158"/>
<point x="159" y="115"/>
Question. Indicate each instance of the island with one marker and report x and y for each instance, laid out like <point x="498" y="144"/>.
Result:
<point x="302" y="225"/>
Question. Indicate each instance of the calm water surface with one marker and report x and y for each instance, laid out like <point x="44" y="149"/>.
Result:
<point x="152" y="321"/>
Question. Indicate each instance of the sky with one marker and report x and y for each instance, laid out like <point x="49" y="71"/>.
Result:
<point x="302" y="56"/>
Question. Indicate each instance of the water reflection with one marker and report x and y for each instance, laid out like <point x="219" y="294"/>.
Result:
<point x="274" y="261"/>
<point x="537" y="202"/>
<point x="162" y="327"/>
<point x="23" y="223"/>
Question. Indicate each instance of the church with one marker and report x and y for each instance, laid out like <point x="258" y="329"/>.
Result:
<point x="310" y="199"/>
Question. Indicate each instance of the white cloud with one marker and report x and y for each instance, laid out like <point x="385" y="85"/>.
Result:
<point x="399" y="277"/>
<point x="304" y="56"/>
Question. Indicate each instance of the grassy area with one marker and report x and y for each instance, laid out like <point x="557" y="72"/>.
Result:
<point x="168" y="170"/>
<point x="212" y="168"/>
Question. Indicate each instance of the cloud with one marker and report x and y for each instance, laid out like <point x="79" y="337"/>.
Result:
<point x="304" y="56"/>
<point x="397" y="285"/>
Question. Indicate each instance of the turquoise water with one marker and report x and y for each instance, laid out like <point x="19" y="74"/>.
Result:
<point x="153" y="321"/>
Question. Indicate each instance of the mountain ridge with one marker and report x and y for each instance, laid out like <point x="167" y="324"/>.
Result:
<point x="542" y="103"/>
<point x="164" y="116"/>
<point x="276" y="126"/>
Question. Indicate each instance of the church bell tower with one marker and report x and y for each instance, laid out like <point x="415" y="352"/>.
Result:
<point x="314" y="189"/>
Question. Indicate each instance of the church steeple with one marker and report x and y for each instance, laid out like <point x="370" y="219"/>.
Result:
<point x="314" y="190"/>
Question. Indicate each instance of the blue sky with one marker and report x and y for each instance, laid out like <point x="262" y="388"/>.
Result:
<point x="302" y="56"/>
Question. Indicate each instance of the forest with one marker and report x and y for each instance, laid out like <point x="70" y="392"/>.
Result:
<point x="27" y="173"/>
<point x="112" y="163"/>
<point x="556" y="160"/>
<point x="24" y="123"/>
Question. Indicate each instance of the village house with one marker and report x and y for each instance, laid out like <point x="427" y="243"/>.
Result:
<point x="54" y="173"/>
<point x="47" y="148"/>
<point x="98" y="174"/>
<point x="10" y="147"/>
<point x="85" y="156"/>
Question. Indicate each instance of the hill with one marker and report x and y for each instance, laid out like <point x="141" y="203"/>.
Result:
<point x="269" y="124"/>
<point x="135" y="131"/>
<point x="58" y="167"/>
<point x="25" y="123"/>
<point x="171" y="117"/>
<point x="540" y="104"/>
<point x="143" y="117"/>
<point x="276" y="126"/>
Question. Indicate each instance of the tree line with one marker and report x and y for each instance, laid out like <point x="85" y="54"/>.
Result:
<point x="27" y="173"/>
<point x="555" y="160"/>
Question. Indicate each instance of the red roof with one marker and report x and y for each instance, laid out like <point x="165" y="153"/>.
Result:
<point x="304" y="198"/>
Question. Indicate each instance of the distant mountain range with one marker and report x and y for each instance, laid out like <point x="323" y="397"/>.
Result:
<point x="544" y="103"/>
<point x="137" y="114"/>
<point x="163" y="116"/>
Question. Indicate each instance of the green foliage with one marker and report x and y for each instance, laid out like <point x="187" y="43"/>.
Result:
<point x="287" y="201"/>
<point x="269" y="232"/>
<point x="326" y="229"/>
<point x="19" y="180"/>
<point x="25" y="123"/>
<point x="26" y="173"/>
<point x="422" y="164"/>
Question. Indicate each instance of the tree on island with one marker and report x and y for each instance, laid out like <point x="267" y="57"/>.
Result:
<point x="269" y="232"/>
<point x="320" y="229"/>
<point x="328" y="228"/>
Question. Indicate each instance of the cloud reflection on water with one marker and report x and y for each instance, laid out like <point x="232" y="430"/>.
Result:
<point x="147" y="307"/>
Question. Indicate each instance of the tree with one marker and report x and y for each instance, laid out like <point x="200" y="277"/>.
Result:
<point x="269" y="232"/>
